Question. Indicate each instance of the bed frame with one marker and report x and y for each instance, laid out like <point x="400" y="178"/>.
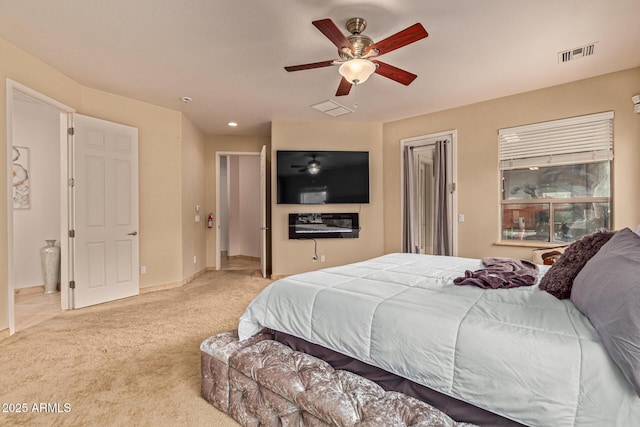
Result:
<point x="261" y="381"/>
<point x="455" y="408"/>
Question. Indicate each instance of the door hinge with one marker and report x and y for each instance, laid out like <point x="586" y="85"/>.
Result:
<point x="71" y="131"/>
<point x="72" y="284"/>
<point x="72" y="233"/>
<point x="71" y="182"/>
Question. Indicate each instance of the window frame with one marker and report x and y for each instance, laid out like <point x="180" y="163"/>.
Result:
<point x="573" y="141"/>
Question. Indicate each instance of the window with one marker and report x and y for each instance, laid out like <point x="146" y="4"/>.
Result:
<point x="556" y="179"/>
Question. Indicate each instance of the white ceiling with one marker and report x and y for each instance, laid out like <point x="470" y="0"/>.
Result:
<point x="228" y="56"/>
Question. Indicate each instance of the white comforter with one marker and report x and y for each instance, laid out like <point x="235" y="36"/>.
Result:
<point x="520" y="353"/>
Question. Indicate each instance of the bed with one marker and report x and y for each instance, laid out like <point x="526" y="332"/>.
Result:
<point x="520" y="353"/>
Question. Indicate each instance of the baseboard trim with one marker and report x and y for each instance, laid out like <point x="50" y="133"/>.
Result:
<point x="162" y="287"/>
<point x="4" y="334"/>
<point x="165" y="286"/>
<point x="193" y="277"/>
<point x="243" y="257"/>
<point x="30" y="290"/>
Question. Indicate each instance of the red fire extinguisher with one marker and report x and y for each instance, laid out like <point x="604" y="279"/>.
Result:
<point x="210" y="221"/>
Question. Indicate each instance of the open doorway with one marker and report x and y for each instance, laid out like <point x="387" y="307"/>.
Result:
<point x="239" y="211"/>
<point x="429" y="202"/>
<point x="63" y="169"/>
<point x="35" y="147"/>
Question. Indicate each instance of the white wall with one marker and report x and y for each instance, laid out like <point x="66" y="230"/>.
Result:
<point x="224" y="203"/>
<point x="36" y="126"/>
<point x="244" y="214"/>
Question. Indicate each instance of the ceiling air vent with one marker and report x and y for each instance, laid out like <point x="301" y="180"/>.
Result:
<point x="332" y="108"/>
<point x="577" y="53"/>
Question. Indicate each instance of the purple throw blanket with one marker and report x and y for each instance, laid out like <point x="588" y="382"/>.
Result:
<point x="501" y="273"/>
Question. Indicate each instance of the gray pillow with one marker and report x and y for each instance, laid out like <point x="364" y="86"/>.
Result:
<point x="559" y="279"/>
<point x="607" y="291"/>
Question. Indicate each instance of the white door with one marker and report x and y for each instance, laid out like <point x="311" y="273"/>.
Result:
<point x="263" y="208"/>
<point x="105" y="219"/>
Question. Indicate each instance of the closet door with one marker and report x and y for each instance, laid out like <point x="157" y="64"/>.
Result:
<point x="105" y="212"/>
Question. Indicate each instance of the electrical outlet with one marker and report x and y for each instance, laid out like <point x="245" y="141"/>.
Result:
<point x="322" y="258"/>
<point x="143" y="269"/>
<point x="195" y="259"/>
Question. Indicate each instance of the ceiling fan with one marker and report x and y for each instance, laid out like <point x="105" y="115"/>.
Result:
<point x="313" y="167"/>
<point x="357" y="50"/>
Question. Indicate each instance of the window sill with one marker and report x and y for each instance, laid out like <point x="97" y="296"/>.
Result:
<point x="533" y="244"/>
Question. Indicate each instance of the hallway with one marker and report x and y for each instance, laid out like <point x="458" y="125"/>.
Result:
<point x="239" y="262"/>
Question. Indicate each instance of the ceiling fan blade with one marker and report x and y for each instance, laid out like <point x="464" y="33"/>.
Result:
<point x="394" y="73"/>
<point x="407" y="36"/>
<point x="333" y="33"/>
<point x="344" y="87"/>
<point x="310" y="66"/>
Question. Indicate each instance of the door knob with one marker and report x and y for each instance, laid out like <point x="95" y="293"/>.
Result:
<point x="133" y="233"/>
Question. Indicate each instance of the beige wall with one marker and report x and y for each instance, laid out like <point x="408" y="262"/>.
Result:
<point x="294" y="256"/>
<point x="478" y="177"/>
<point x="227" y="144"/>
<point x="193" y="194"/>
<point x="165" y="139"/>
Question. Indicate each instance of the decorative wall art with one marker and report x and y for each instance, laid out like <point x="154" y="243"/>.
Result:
<point x="21" y="183"/>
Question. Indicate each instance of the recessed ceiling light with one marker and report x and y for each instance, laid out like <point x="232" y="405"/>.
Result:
<point x="232" y="124"/>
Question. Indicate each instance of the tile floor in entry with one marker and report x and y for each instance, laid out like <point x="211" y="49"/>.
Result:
<point x="33" y="308"/>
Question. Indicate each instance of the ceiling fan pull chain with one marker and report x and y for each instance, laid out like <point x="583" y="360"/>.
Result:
<point x="355" y="94"/>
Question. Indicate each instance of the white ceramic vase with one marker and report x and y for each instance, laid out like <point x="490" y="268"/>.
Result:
<point x="50" y="260"/>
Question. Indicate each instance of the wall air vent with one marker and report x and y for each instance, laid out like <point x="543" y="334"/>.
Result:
<point x="577" y="53"/>
<point x="332" y="108"/>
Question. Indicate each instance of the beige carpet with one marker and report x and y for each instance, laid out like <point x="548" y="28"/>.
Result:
<point x="132" y="362"/>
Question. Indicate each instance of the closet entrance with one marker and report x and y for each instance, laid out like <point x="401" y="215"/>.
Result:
<point x="66" y="168"/>
<point x="241" y="211"/>
<point x="34" y="149"/>
<point x="429" y="197"/>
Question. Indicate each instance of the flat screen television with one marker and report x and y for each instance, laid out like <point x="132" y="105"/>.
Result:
<point x="322" y="177"/>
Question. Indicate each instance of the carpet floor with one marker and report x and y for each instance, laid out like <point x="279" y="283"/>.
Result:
<point x="132" y="362"/>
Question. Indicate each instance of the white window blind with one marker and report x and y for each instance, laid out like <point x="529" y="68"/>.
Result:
<point x="581" y="139"/>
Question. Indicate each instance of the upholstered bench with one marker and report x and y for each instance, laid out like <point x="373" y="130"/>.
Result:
<point x="263" y="382"/>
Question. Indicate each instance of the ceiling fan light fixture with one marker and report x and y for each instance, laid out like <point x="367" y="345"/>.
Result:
<point x="357" y="70"/>
<point x="313" y="167"/>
